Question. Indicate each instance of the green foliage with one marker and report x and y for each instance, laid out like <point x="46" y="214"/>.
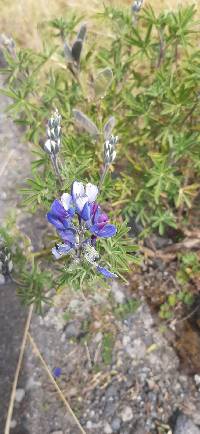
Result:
<point x="33" y="286"/>
<point x="188" y="268"/>
<point x="153" y="91"/>
<point x="154" y="95"/>
<point x="168" y="309"/>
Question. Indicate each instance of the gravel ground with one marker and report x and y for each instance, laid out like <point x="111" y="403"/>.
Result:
<point x="118" y="371"/>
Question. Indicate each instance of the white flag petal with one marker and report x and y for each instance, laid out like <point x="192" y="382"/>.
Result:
<point x="66" y="200"/>
<point x="91" y="192"/>
<point x="77" y="189"/>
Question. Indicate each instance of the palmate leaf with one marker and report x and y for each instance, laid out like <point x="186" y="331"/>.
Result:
<point x="83" y="122"/>
<point x="108" y="127"/>
<point x="102" y="82"/>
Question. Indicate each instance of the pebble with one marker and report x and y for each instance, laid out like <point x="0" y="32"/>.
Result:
<point x="73" y="329"/>
<point x="2" y="279"/>
<point x="31" y="383"/>
<point x="107" y="428"/>
<point x="13" y="423"/>
<point x="184" y="425"/>
<point x="116" y="424"/>
<point x="89" y="424"/>
<point x="19" y="395"/>
<point x="56" y="432"/>
<point x="118" y="295"/>
<point x="127" y="414"/>
<point x="197" y="379"/>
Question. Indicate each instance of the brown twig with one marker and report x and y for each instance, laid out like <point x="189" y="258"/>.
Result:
<point x="60" y="393"/>
<point x="14" y="386"/>
<point x="169" y="253"/>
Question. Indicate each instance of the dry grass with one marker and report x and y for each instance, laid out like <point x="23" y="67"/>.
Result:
<point x="20" y="18"/>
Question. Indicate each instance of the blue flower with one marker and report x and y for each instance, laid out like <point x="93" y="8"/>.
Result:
<point x="61" y="212"/>
<point x="60" y="250"/>
<point x="106" y="272"/>
<point x="80" y="203"/>
<point x="57" y="372"/>
<point x="100" y="227"/>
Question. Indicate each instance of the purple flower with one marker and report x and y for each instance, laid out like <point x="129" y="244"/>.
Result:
<point x="80" y="203"/>
<point x="61" y="212"/>
<point x="100" y="226"/>
<point x="60" y="250"/>
<point x="106" y="272"/>
<point x="57" y="372"/>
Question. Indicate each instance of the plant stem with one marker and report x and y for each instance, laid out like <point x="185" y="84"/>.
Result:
<point x="104" y="173"/>
<point x="162" y="48"/>
<point x="56" y="168"/>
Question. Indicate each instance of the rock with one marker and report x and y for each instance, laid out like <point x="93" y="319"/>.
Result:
<point x="98" y="337"/>
<point x="2" y="279"/>
<point x="136" y="349"/>
<point x="31" y="383"/>
<point x="73" y="329"/>
<point x="19" y="395"/>
<point x="116" y="423"/>
<point x="89" y="424"/>
<point x="112" y="390"/>
<point x="118" y="295"/>
<point x="184" y="425"/>
<point x="56" y="432"/>
<point x="197" y="379"/>
<point x="107" y="428"/>
<point x="13" y="423"/>
<point x="127" y="414"/>
<point x="6" y="44"/>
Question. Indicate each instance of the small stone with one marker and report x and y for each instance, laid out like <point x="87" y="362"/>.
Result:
<point x="19" y="395"/>
<point x="2" y="279"/>
<point x="97" y="325"/>
<point x="116" y="423"/>
<point x="31" y="384"/>
<point x="13" y="423"/>
<point x="197" y="379"/>
<point x="127" y="414"/>
<point x="107" y="428"/>
<point x="10" y="266"/>
<point x="56" y="432"/>
<point x="184" y="425"/>
<point x="89" y="424"/>
<point x="73" y="329"/>
<point x="98" y="337"/>
<point x="118" y="295"/>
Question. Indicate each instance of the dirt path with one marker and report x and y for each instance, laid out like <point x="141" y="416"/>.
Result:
<point x="14" y="157"/>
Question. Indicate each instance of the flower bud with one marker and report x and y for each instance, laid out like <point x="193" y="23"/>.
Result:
<point x="136" y="6"/>
<point x="109" y="150"/>
<point x="52" y="145"/>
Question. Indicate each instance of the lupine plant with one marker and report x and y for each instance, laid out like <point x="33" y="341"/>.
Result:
<point x="143" y="71"/>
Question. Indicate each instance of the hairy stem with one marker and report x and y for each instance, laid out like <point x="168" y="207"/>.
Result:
<point x="56" y="168"/>
<point x="103" y="175"/>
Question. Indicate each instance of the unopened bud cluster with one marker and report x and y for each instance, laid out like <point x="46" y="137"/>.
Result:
<point x="52" y="145"/>
<point x="136" y="6"/>
<point x="109" y="150"/>
<point x="6" y="264"/>
<point x="90" y="253"/>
